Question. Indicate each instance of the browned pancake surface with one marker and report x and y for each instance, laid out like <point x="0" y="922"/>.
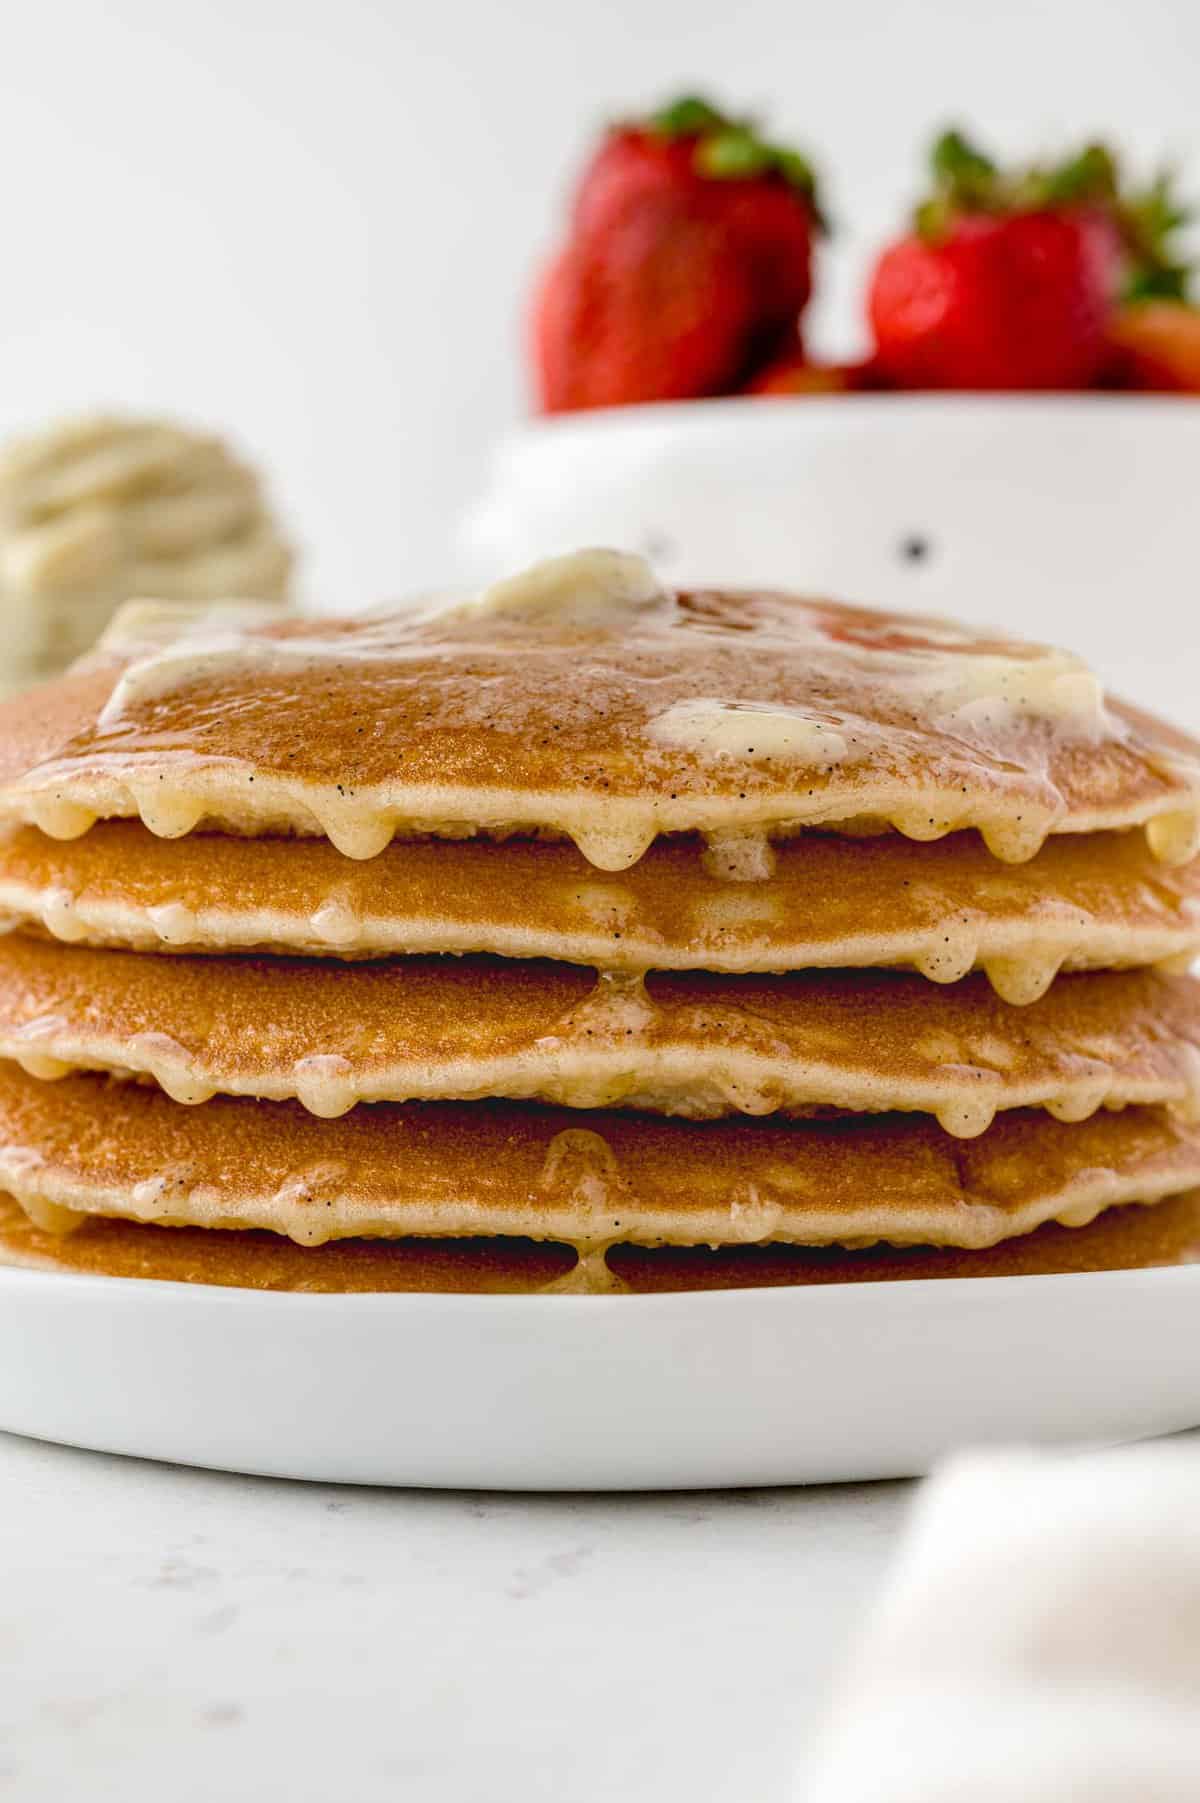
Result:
<point x="679" y="1043"/>
<point x="1127" y="1238"/>
<point x="96" y="1146"/>
<point x="1083" y="902"/>
<point x="562" y="721"/>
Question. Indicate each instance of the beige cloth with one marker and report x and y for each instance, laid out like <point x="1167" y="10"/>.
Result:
<point x="1039" y="1640"/>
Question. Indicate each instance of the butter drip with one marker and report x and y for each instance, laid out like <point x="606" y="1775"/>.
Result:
<point x="583" y="700"/>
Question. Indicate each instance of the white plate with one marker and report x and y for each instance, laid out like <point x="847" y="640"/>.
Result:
<point x="577" y="1392"/>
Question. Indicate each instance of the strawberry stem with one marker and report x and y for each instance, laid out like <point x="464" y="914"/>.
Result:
<point x="966" y="181"/>
<point x="730" y="149"/>
<point x="686" y="117"/>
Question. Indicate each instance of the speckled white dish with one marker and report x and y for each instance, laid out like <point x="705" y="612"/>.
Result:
<point x="608" y="1393"/>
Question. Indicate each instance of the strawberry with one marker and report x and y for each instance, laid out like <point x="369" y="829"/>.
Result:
<point x="687" y="263"/>
<point x="795" y="374"/>
<point x="1010" y="281"/>
<point x="1157" y="346"/>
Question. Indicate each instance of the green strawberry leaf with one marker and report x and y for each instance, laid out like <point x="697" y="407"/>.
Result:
<point x="1147" y="220"/>
<point x="687" y="117"/>
<point x="732" y="154"/>
<point x="960" y="171"/>
<point x="729" y="149"/>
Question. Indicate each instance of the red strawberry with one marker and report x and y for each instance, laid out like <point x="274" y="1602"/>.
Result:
<point x="1010" y="281"/>
<point x="688" y="263"/>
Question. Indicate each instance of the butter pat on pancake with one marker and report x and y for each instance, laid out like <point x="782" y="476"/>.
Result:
<point x="584" y="701"/>
<point x="91" y="1145"/>
<point x="1084" y="902"/>
<point x="686" y="1043"/>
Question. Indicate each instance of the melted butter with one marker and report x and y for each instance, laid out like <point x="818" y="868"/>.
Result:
<point x="325" y="1084"/>
<point x="592" y="588"/>
<point x="1080" y="1104"/>
<point x="589" y="588"/>
<point x="169" y="1064"/>
<point x="173" y="1184"/>
<point x="42" y="1066"/>
<point x="1015" y="841"/>
<point x="617" y="1009"/>
<point x="744" y="857"/>
<point x="174" y="922"/>
<point x="608" y="907"/>
<point x="989" y="1049"/>
<point x="1187" y="1106"/>
<point x="1174" y="837"/>
<point x="920" y="824"/>
<point x="966" y="1117"/>
<point x="60" y="914"/>
<point x="335" y="921"/>
<point x="751" y="729"/>
<point x="357" y="831"/>
<point x="580" y="1169"/>
<point x="21" y="1172"/>
<point x="47" y="1216"/>
<point x="992" y="692"/>
<point x="755" y="679"/>
<point x="139" y="627"/>
<point x="303" y="1198"/>
<point x="188" y="1090"/>
<point x="622" y="841"/>
<point x="1025" y="979"/>
<point x="753" y="1217"/>
<point x="1080" y="1214"/>
<point x="168" y="813"/>
<point x="226" y="642"/>
<point x="736" y="912"/>
<point x="60" y="818"/>
<point x="953" y="955"/>
<point x="1177" y="964"/>
<point x="590" y="1275"/>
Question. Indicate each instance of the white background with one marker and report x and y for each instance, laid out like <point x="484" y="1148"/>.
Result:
<point x="312" y="224"/>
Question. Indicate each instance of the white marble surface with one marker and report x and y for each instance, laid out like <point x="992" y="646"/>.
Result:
<point x="185" y="1635"/>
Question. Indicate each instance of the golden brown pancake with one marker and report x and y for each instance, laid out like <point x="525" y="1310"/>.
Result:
<point x="1128" y="1238"/>
<point x="685" y="1043"/>
<point x="92" y="1145"/>
<point x="268" y="1261"/>
<point x="583" y="701"/>
<point x="1084" y="902"/>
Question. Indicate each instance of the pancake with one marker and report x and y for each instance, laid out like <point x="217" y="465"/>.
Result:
<point x="91" y="1145"/>
<point x="1094" y="901"/>
<point x="1128" y="1238"/>
<point x="583" y="701"/>
<point x="685" y="1043"/>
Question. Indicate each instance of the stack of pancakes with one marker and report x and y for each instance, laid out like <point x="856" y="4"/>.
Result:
<point x="586" y="935"/>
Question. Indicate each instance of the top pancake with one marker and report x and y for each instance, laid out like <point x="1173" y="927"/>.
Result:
<point x="582" y="701"/>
